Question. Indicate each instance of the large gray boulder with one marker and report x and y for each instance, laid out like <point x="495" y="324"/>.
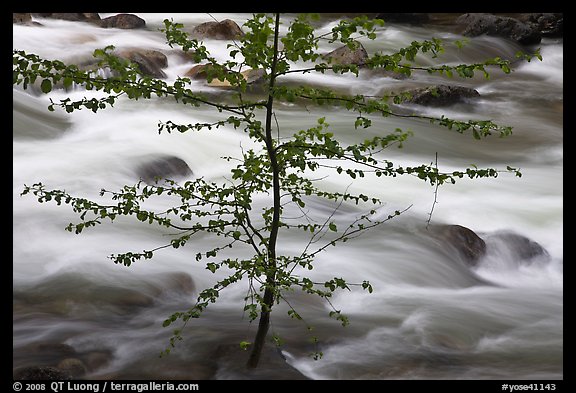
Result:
<point x="548" y="24"/>
<point x="21" y="18"/>
<point x="499" y="26"/>
<point x="149" y="61"/>
<point x="466" y="242"/>
<point x="124" y="21"/>
<point x="224" y="30"/>
<point x="346" y="55"/>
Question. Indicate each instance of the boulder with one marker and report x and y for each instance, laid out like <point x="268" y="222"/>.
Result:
<point x="97" y="359"/>
<point x="231" y="360"/>
<point x="164" y="167"/>
<point x="225" y="30"/>
<point x="410" y="17"/>
<point x="441" y="95"/>
<point x="548" y="24"/>
<point x="500" y="26"/>
<point x="520" y="248"/>
<point x="200" y="72"/>
<point x="91" y="17"/>
<point x="124" y="21"/>
<point x="347" y="55"/>
<point x="74" y="367"/>
<point x="41" y="373"/>
<point x="149" y="61"/>
<point x="467" y="243"/>
<point x="21" y="18"/>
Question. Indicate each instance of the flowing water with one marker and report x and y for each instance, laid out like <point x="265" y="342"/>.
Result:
<point x="429" y="317"/>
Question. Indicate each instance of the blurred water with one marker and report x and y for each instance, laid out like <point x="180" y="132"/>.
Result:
<point x="429" y="317"/>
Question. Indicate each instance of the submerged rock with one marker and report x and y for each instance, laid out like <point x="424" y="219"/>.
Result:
<point x="519" y="248"/>
<point x="164" y="167"/>
<point x="499" y="26"/>
<point x="74" y="367"/>
<point x="441" y="95"/>
<point x="231" y="360"/>
<point x="224" y="30"/>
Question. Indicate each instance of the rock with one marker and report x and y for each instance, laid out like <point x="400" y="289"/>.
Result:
<point x="41" y="373"/>
<point x="521" y="248"/>
<point x="149" y="61"/>
<point x="500" y="26"/>
<point x="548" y="24"/>
<point x="90" y="17"/>
<point x="180" y="282"/>
<point x="441" y="95"/>
<point x="162" y="168"/>
<point x="21" y="18"/>
<point x="347" y="55"/>
<point x="231" y="360"/>
<point x="254" y="76"/>
<point x="410" y="17"/>
<point x="200" y="72"/>
<point x="468" y="244"/>
<point x="124" y="21"/>
<point x="225" y="30"/>
<point x="96" y="360"/>
<point x="74" y="367"/>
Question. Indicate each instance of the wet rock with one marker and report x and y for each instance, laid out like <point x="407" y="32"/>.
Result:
<point x="410" y="17"/>
<point x="465" y="241"/>
<point x="21" y="18"/>
<point x="198" y="72"/>
<point x="441" y="95"/>
<point x="97" y="360"/>
<point x="201" y="72"/>
<point x="149" y="61"/>
<point x="231" y="360"/>
<point x="224" y="30"/>
<point x="164" y="167"/>
<point x="347" y="55"/>
<point x="180" y="282"/>
<point x="41" y="373"/>
<point x="548" y="24"/>
<point x="123" y="21"/>
<point x="500" y="26"/>
<point x="520" y="248"/>
<point x="74" y="367"/>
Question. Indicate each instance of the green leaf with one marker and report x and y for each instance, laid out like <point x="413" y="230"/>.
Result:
<point x="244" y="345"/>
<point x="333" y="227"/>
<point x="46" y="86"/>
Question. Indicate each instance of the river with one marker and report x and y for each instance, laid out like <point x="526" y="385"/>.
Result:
<point x="428" y="318"/>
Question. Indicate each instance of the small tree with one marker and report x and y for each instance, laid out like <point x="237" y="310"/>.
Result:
<point x="281" y="166"/>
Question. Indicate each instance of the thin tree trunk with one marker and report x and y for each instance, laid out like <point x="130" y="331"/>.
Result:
<point x="269" y="292"/>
